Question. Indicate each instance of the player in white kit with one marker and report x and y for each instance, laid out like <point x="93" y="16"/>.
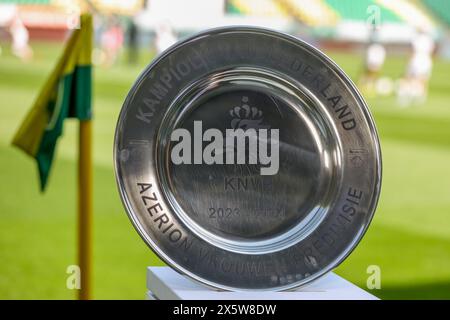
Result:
<point x="413" y="88"/>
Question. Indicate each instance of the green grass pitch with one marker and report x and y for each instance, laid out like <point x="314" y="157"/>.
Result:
<point x="409" y="237"/>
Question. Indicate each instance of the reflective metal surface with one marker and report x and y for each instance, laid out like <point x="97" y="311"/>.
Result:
<point x="228" y="225"/>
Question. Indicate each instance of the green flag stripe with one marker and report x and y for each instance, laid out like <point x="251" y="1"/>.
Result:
<point x="73" y="100"/>
<point x="80" y="100"/>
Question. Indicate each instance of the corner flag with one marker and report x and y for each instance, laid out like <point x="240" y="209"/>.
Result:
<point x="66" y="94"/>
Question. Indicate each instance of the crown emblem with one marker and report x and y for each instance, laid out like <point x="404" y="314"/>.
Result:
<point x="246" y="117"/>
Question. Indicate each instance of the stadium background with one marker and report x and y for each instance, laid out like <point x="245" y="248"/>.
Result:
<point x="410" y="235"/>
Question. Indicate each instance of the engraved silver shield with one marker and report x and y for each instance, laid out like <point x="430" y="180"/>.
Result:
<point x="225" y="223"/>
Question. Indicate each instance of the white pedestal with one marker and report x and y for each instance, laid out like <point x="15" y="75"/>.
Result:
<point x="163" y="283"/>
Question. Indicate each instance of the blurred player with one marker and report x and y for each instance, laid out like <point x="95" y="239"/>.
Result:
<point x="413" y="88"/>
<point x="133" y="35"/>
<point x="20" y="39"/>
<point x="165" y="37"/>
<point x="112" y="41"/>
<point x="373" y="63"/>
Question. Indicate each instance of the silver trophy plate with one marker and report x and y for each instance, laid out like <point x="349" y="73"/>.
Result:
<point x="247" y="160"/>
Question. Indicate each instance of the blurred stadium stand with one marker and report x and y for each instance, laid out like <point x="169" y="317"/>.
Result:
<point x="342" y="22"/>
<point x="49" y="19"/>
<point x="441" y="8"/>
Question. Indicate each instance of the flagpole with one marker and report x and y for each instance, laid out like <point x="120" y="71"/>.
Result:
<point x="85" y="209"/>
